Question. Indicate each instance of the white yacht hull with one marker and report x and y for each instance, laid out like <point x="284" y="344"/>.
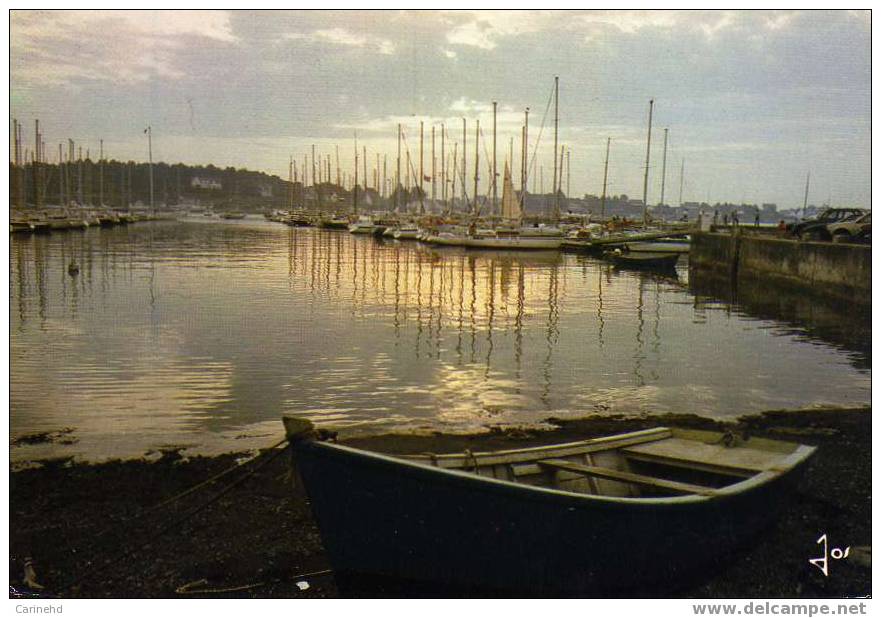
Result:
<point x="517" y="243"/>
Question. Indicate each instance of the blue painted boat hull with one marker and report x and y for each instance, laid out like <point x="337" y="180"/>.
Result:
<point x="382" y="516"/>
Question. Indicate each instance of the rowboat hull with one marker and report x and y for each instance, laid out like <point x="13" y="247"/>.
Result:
<point x="644" y="260"/>
<point x="383" y="516"/>
<point x="334" y="224"/>
<point x="16" y="227"/>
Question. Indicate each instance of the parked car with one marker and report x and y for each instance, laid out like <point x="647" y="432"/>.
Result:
<point x="858" y="229"/>
<point x="817" y="228"/>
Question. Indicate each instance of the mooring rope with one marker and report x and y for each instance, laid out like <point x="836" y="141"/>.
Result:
<point x="207" y="481"/>
<point x="177" y="522"/>
<point x="190" y="588"/>
<point x="106" y="530"/>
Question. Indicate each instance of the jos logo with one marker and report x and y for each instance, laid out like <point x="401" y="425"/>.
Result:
<point x="836" y="553"/>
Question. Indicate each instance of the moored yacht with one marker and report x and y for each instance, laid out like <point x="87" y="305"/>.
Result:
<point x="364" y="225"/>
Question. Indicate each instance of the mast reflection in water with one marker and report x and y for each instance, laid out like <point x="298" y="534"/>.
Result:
<point x="202" y="333"/>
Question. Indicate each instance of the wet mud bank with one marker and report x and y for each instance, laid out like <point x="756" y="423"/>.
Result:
<point x="102" y="530"/>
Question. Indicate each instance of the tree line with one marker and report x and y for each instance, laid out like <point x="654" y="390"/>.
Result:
<point x="121" y="184"/>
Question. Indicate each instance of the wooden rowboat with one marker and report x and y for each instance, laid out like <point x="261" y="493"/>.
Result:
<point x="642" y="260"/>
<point x="583" y="517"/>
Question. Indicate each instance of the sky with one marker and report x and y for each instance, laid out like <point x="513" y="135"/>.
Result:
<point x="752" y="101"/>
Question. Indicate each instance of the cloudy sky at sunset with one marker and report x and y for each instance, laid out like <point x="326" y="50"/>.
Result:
<point x="752" y="100"/>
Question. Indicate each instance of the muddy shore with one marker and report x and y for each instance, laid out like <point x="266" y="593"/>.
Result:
<point x="86" y="532"/>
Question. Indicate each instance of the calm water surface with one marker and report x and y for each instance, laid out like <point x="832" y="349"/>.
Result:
<point x="202" y="333"/>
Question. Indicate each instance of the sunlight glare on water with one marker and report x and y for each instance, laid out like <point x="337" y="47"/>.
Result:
<point x="202" y="333"/>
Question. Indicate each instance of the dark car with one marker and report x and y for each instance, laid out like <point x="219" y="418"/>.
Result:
<point x="817" y="228"/>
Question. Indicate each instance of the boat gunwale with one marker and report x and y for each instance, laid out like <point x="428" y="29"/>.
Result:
<point x="549" y="447"/>
<point x="783" y="468"/>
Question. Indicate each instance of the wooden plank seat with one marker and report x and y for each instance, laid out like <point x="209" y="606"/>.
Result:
<point x="627" y="477"/>
<point x="718" y="458"/>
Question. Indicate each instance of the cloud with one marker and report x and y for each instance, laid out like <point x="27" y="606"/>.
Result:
<point x="303" y="77"/>
<point x="780" y="19"/>
<point x="31" y="25"/>
<point x="345" y="38"/>
<point x="51" y="47"/>
<point x="486" y="29"/>
<point x="483" y="29"/>
<point x="630" y="22"/>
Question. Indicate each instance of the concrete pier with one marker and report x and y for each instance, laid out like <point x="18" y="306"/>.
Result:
<point x="826" y="270"/>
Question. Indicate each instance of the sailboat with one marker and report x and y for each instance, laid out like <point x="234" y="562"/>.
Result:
<point x="406" y="231"/>
<point x="363" y="225"/>
<point x="511" y="233"/>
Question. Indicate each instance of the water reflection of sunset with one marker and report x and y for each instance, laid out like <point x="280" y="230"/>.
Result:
<point x="204" y="332"/>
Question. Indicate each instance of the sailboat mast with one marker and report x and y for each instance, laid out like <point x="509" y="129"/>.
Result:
<point x="443" y="169"/>
<point x="524" y="169"/>
<point x="454" y="167"/>
<point x="495" y="173"/>
<point x="336" y="148"/>
<point x="645" y="182"/>
<point x="664" y="169"/>
<point x="464" y="168"/>
<point x="382" y="191"/>
<point x="291" y="183"/>
<point x="398" y="174"/>
<point x="804" y="209"/>
<point x="556" y="131"/>
<point x="681" y="177"/>
<point x="313" y="165"/>
<point x="421" y="161"/>
<point x="36" y="163"/>
<point x="355" y="186"/>
<point x="61" y="178"/>
<point x="476" y="160"/>
<point x="150" y="152"/>
<point x="68" y="167"/>
<point x="510" y="159"/>
<point x="605" y="179"/>
<point x="522" y="165"/>
<point x="19" y="168"/>
<point x="100" y="173"/>
<point x="433" y="165"/>
<point x="558" y="189"/>
<point x="14" y="178"/>
<point x="79" y="183"/>
<point x="568" y="172"/>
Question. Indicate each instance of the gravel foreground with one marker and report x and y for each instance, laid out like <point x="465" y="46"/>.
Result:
<point x="84" y="529"/>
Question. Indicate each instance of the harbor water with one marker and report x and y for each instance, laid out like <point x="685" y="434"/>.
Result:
<point x="199" y="334"/>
